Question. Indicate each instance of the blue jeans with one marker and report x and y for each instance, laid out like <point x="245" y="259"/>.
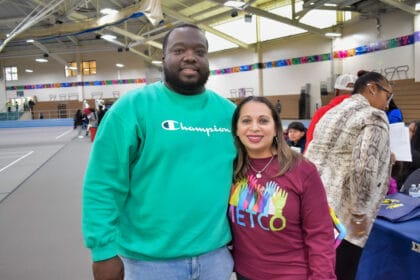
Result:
<point x="215" y="265"/>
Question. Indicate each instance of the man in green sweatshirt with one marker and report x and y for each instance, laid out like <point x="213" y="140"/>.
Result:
<point x="157" y="184"/>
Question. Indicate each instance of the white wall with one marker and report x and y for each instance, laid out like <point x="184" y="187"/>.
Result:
<point x="224" y="83"/>
<point x="290" y="79"/>
<point x="272" y="81"/>
<point x="365" y="32"/>
<point x="53" y="72"/>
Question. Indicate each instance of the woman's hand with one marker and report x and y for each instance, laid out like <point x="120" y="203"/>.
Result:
<point x="358" y="225"/>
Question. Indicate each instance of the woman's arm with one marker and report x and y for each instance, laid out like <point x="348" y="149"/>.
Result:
<point x="318" y="228"/>
<point x="366" y="182"/>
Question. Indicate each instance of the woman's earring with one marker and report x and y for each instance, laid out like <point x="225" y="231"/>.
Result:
<point x="275" y="140"/>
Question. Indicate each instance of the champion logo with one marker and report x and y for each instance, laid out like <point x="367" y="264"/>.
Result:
<point x="170" y="125"/>
<point x="173" y="125"/>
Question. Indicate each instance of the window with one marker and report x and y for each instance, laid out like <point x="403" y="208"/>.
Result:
<point x="89" y="67"/>
<point x="71" y="69"/>
<point x="11" y="73"/>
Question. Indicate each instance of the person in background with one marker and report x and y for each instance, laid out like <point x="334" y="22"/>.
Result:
<point x="25" y="105"/>
<point x="31" y="104"/>
<point x="278" y="106"/>
<point x="408" y="167"/>
<point x="9" y="106"/>
<point x="157" y="184"/>
<point x="343" y="89"/>
<point x="394" y="113"/>
<point x="278" y="208"/>
<point x="93" y="123"/>
<point x="296" y="136"/>
<point x="351" y="151"/>
<point x="85" y="122"/>
<point x="101" y="113"/>
<point x="86" y="114"/>
<point x="412" y="129"/>
<point x="78" y="122"/>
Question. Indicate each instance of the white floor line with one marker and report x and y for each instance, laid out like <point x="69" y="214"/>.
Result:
<point x="62" y="134"/>
<point x="13" y="162"/>
<point x="13" y="154"/>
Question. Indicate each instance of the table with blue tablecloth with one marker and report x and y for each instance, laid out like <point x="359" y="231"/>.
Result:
<point x="392" y="251"/>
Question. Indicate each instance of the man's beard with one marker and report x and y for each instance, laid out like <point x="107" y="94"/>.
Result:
<point x="172" y="79"/>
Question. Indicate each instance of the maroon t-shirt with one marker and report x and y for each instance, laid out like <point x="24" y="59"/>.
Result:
<point x="281" y="226"/>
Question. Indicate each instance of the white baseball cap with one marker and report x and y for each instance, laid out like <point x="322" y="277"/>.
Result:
<point x="342" y="82"/>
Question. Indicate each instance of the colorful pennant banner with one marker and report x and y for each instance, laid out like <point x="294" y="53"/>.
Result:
<point x="78" y="84"/>
<point x="373" y="47"/>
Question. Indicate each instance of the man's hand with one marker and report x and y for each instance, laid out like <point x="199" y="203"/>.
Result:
<point x="110" y="269"/>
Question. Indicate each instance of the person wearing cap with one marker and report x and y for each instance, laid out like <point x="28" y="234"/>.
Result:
<point x="343" y="89"/>
<point x="296" y="138"/>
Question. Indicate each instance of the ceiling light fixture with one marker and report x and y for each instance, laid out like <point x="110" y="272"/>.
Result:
<point x="29" y="70"/>
<point x="109" y="37"/>
<point x="41" y="60"/>
<point x="108" y="11"/>
<point x="119" y="65"/>
<point x="333" y="34"/>
<point x="417" y="8"/>
<point x="157" y="62"/>
<point x="30" y="41"/>
<point x="235" y="4"/>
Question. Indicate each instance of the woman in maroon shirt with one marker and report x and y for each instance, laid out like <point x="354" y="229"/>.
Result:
<point x="278" y="209"/>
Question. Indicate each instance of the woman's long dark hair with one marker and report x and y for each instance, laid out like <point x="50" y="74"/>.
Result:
<point x="286" y="156"/>
<point x="365" y="77"/>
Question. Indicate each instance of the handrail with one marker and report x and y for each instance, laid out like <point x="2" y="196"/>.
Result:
<point x="54" y="114"/>
<point x="40" y="114"/>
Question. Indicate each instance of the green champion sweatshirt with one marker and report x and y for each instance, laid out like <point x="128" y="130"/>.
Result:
<point x="158" y="178"/>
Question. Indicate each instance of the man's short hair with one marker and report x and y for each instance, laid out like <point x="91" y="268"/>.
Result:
<point x="165" y="39"/>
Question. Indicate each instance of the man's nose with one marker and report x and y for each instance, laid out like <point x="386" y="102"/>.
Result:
<point x="189" y="55"/>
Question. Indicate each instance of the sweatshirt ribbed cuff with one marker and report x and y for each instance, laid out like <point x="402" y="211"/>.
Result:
<point x="105" y="252"/>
